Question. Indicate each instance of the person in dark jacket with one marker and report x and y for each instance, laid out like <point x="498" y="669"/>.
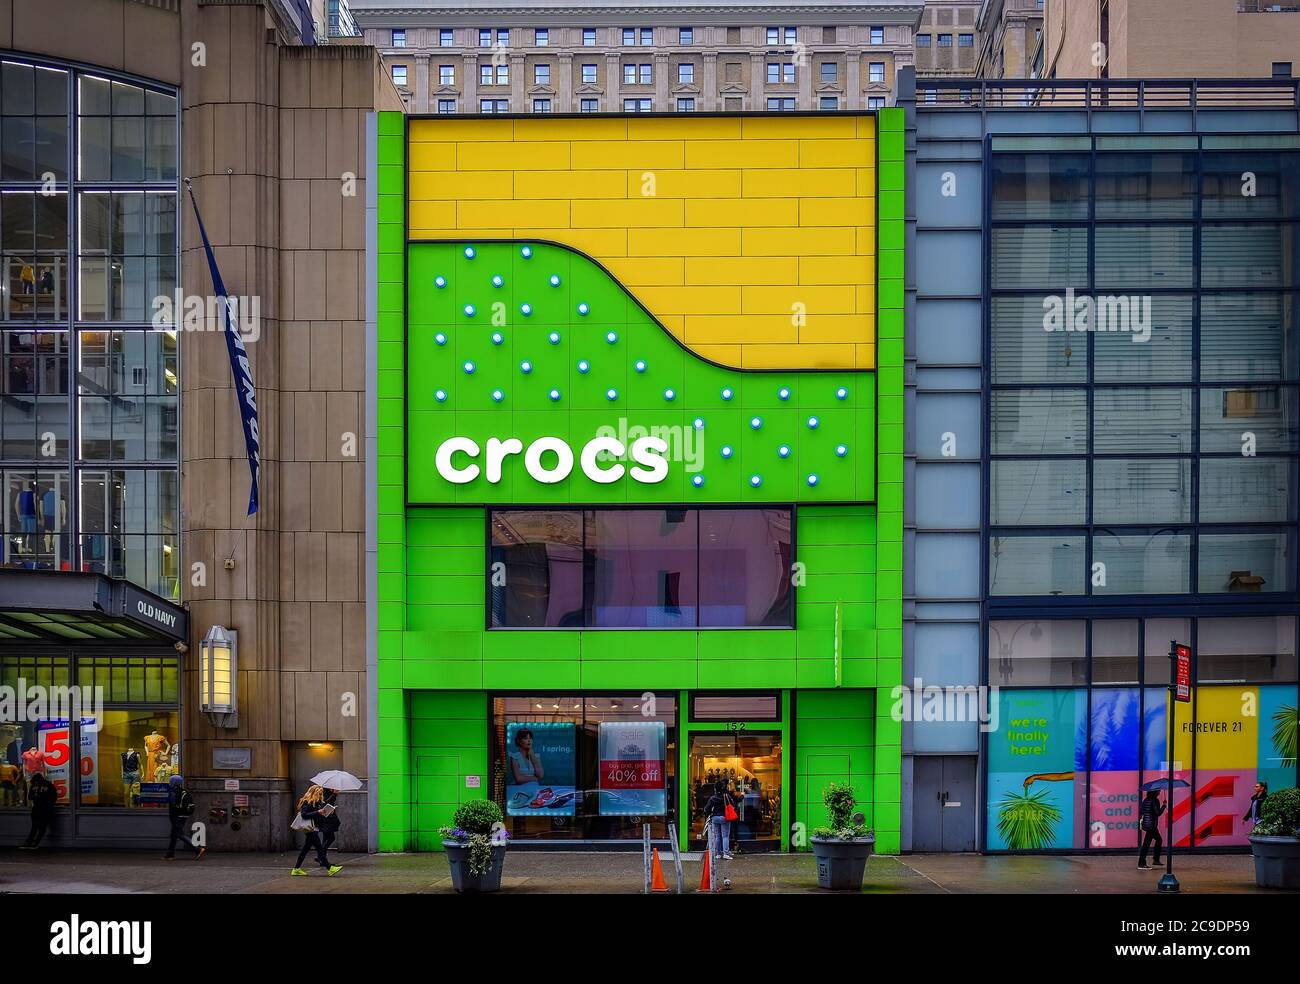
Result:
<point x="42" y="796"/>
<point x="1253" y="812"/>
<point x="715" y="813"/>
<point x="318" y="805"/>
<point x="1150" y="824"/>
<point x="180" y="807"/>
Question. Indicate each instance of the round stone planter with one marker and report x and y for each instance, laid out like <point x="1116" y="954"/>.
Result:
<point x="464" y="880"/>
<point x="842" y="864"/>
<point x="1277" y="862"/>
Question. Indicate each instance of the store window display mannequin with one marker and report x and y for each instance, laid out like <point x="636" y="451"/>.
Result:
<point x="130" y="774"/>
<point x="156" y="750"/>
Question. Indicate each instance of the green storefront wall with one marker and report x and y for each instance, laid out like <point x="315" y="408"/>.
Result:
<point x="437" y="663"/>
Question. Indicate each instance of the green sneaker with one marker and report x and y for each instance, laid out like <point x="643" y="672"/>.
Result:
<point x="335" y="869"/>
<point x="298" y="871"/>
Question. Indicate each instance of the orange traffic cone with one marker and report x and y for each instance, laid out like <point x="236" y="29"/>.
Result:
<point x="657" y="883"/>
<point x="704" y="880"/>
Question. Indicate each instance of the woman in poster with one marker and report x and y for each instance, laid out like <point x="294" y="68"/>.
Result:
<point x="525" y="764"/>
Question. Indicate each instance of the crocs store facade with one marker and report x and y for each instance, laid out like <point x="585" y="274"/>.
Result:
<point x="637" y="510"/>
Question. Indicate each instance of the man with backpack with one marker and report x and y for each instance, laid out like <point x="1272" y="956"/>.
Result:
<point x="1150" y="824"/>
<point x="180" y="807"/>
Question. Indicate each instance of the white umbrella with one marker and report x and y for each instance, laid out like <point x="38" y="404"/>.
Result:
<point x="337" y="779"/>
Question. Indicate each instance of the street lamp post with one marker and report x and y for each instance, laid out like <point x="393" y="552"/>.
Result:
<point x="1168" y="883"/>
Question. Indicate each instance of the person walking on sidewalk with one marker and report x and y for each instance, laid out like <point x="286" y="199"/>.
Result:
<point x="317" y="809"/>
<point x="1253" y="812"/>
<point x="1150" y="824"/>
<point x="180" y="807"/>
<point x="715" y="813"/>
<point x="42" y="796"/>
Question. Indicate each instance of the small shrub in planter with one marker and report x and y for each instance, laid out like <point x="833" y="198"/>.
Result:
<point x="843" y="846"/>
<point x="476" y="846"/>
<point x="1275" y="841"/>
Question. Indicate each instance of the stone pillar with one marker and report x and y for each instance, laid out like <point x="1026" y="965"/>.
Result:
<point x="518" y="84"/>
<point x="853" y="80"/>
<point x="661" y="70"/>
<point x="757" y="81"/>
<point x="469" y="84"/>
<point x="421" y="85"/>
<point x="613" y="82"/>
<point x="564" y="83"/>
<point x="709" y="98"/>
<point x="804" y="73"/>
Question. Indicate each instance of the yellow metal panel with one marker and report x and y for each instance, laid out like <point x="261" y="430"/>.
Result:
<point x="751" y="238"/>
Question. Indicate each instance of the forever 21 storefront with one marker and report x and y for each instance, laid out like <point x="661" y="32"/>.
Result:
<point x="89" y="425"/>
<point x="617" y="564"/>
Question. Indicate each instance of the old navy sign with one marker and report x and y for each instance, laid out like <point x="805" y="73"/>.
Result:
<point x="550" y="460"/>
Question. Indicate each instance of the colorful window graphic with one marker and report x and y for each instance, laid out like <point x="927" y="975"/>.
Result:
<point x="540" y="768"/>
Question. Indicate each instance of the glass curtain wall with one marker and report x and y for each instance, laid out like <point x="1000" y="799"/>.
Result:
<point x="89" y="371"/>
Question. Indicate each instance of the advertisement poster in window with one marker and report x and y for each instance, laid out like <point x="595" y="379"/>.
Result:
<point x="55" y="743"/>
<point x="632" y="779"/>
<point x="540" y="768"/>
<point x="1037" y="761"/>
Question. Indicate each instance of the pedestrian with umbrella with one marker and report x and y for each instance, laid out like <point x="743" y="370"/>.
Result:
<point x="1150" y="814"/>
<point x="318" y="817"/>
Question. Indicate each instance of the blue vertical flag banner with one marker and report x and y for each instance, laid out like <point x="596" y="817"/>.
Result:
<point x="242" y="373"/>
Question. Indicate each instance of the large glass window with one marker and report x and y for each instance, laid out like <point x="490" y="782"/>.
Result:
<point x="640" y="568"/>
<point x="34" y="242"/>
<point x="583" y="766"/>
<point x="1175" y="390"/>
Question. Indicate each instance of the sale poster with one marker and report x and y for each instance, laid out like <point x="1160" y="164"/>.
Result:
<point x="632" y="780"/>
<point x="55" y="743"/>
<point x="540" y="768"/>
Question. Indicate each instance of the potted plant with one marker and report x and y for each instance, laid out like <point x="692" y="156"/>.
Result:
<point x="1275" y="841"/>
<point x="476" y="846"/>
<point x="842" y="847"/>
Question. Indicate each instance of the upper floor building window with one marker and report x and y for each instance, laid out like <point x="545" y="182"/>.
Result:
<point x="446" y="107"/>
<point x="541" y="75"/>
<point x="876" y="72"/>
<point x="542" y="37"/>
<point x="779" y="72"/>
<point x="830" y="72"/>
<point x="588" y="37"/>
<point x="877" y="35"/>
<point x="685" y="35"/>
<point x="966" y="40"/>
<point x="945" y="40"/>
<point x="589" y="106"/>
<point x="399" y="75"/>
<point x="589" y="74"/>
<point x="781" y="35"/>
<point x="686" y="73"/>
<point x="399" y="39"/>
<point x="638" y="105"/>
<point x="446" y="38"/>
<point x="923" y="40"/>
<point x="487" y="37"/>
<point x="446" y="74"/>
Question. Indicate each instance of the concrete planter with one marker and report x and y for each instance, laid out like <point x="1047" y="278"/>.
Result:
<point x="1277" y="862"/>
<point x="464" y="880"/>
<point x="842" y="864"/>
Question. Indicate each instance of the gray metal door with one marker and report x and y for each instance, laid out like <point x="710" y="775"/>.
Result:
<point x="927" y="804"/>
<point x="958" y="799"/>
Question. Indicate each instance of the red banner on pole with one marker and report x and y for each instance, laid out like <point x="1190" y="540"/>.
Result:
<point x="1183" y="691"/>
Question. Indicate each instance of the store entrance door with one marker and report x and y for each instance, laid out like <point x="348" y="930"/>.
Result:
<point x="750" y="762"/>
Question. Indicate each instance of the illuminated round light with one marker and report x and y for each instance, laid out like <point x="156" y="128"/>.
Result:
<point x="841" y="394"/>
<point x="554" y="337"/>
<point x="812" y="479"/>
<point x="555" y="280"/>
<point x="584" y="366"/>
<point x="784" y="450"/>
<point x="469" y="252"/>
<point x="640" y="365"/>
<point x="497" y="280"/>
<point x="783" y="393"/>
<point x="440" y="282"/>
<point x="841" y="450"/>
<point x="525" y="251"/>
<point x="726" y="393"/>
<point x="755" y="480"/>
<point x="497" y="396"/>
<point x="726" y="450"/>
<point x="469" y="310"/>
<point x="498" y="338"/>
<point x="611" y="394"/>
<point x="554" y="395"/>
<point x="469" y="368"/>
<point x="582" y="308"/>
<point x="440" y="396"/>
<point x="698" y="423"/>
<point x="526" y="309"/>
<point x="812" y="423"/>
<point x="755" y="422"/>
<point x="611" y="337"/>
<point x="440" y="338"/>
<point x="525" y="367"/>
<point x="669" y="395"/>
<point x="697" y="481"/>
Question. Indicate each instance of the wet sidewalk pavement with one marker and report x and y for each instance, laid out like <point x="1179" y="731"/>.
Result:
<point x="534" y="872"/>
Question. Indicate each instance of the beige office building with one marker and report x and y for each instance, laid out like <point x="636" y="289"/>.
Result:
<point x="1169" y="39"/>
<point x="947" y="40"/>
<point x="585" y="57"/>
<point x="1009" y="33"/>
